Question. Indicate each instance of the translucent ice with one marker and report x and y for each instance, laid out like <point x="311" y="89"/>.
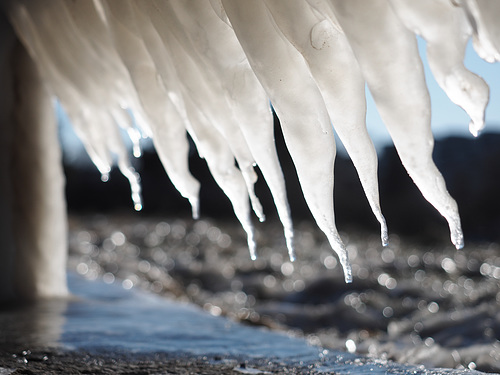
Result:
<point x="397" y="83"/>
<point x="446" y="30"/>
<point x="304" y="118"/>
<point x="79" y="77"/>
<point x="163" y="69"/>
<point x="333" y="66"/>
<point x="166" y="125"/>
<point x="244" y="100"/>
<point x="483" y="18"/>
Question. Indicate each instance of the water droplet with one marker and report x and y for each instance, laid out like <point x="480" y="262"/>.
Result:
<point x="330" y="262"/>
<point x="127" y="284"/>
<point x="387" y="255"/>
<point x="448" y="265"/>
<point x="287" y="268"/>
<point x="108" y="278"/>
<point x="144" y="266"/>
<point x="82" y="268"/>
<point x="213" y="234"/>
<point x="350" y="346"/>
<point x="269" y="281"/>
<point x="433" y="307"/>
<point x="104" y="177"/>
<point x="118" y="238"/>
<point x="299" y="285"/>
<point x="429" y="341"/>
<point x="388" y="312"/>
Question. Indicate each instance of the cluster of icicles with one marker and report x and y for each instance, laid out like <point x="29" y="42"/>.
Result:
<point x="159" y="68"/>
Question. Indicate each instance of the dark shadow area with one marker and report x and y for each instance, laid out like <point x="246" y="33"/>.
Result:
<point x="417" y="300"/>
<point x="470" y="167"/>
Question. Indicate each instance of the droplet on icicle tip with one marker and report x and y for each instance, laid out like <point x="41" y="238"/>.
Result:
<point x="348" y="274"/>
<point x="135" y="137"/>
<point x="105" y="177"/>
<point x="252" y="247"/>
<point x="137" y="151"/>
<point x="291" y="249"/>
<point x="195" y="208"/>
<point x="474" y="130"/>
<point x="346" y="268"/>
<point x="136" y="198"/>
<point x="384" y="238"/>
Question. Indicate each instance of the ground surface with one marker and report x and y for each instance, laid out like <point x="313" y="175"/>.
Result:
<point x="425" y="304"/>
<point x="54" y="362"/>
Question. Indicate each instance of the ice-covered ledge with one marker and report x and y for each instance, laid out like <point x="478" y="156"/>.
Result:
<point x="213" y="76"/>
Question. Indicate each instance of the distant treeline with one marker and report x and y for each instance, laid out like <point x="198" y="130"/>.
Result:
<point x="471" y="168"/>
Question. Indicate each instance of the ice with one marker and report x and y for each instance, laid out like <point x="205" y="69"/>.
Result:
<point x="447" y="31"/>
<point x="336" y="71"/>
<point x="169" y="138"/>
<point x="244" y="97"/>
<point x="210" y="142"/>
<point x="304" y="119"/>
<point x="397" y="83"/>
<point x="206" y="92"/>
<point x="80" y="80"/>
<point x="482" y="16"/>
<point x="58" y="329"/>
<point x="210" y="68"/>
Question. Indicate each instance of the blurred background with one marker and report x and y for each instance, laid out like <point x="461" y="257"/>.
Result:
<point x="419" y="300"/>
<point x="469" y="165"/>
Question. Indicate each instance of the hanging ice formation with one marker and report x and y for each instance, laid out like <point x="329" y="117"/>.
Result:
<point x="210" y="68"/>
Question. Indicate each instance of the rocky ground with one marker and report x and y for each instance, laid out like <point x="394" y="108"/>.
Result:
<point x="69" y="363"/>
<point x="422" y="304"/>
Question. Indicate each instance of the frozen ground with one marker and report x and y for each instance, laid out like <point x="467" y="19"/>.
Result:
<point x="109" y="329"/>
<point x="431" y="306"/>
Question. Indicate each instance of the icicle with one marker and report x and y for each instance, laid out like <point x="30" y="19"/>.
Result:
<point x="300" y="107"/>
<point x="205" y="90"/>
<point x="180" y="65"/>
<point x="339" y="79"/>
<point x="220" y="161"/>
<point x="219" y="49"/>
<point x="116" y="145"/>
<point x="135" y="137"/>
<point x="113" y="75"/>
<point x="250" y="179"/>
<point x="70" y="62"/>
<point x="169" y="135"/>
<point x="135" y="186"/>
<point x="447" y="31"/>
<point x="483" y="17"/>
<point x="125" y="121"/>
<point x="104" y="176"/>
<point x="215" y="151"/>
<point x="97" y="149"/>
<point x="398" y="87"/>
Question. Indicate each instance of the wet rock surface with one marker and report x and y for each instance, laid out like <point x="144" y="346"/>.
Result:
<point x="418" y="301"/>
<point x="61" y="362"/>
<point x="413" y="303"/>
<point x="469" y="166"/>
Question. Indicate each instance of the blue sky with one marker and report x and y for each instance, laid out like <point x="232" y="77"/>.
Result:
<point x="447" y="118"/>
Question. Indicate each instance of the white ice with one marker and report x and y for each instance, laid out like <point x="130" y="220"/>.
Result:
<point x="304" y="118"/>
<point x="446" y="30"/>
<point x="210" y="69"/>
<point x="334" y="68"/>
<point x="388" y="55"/>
